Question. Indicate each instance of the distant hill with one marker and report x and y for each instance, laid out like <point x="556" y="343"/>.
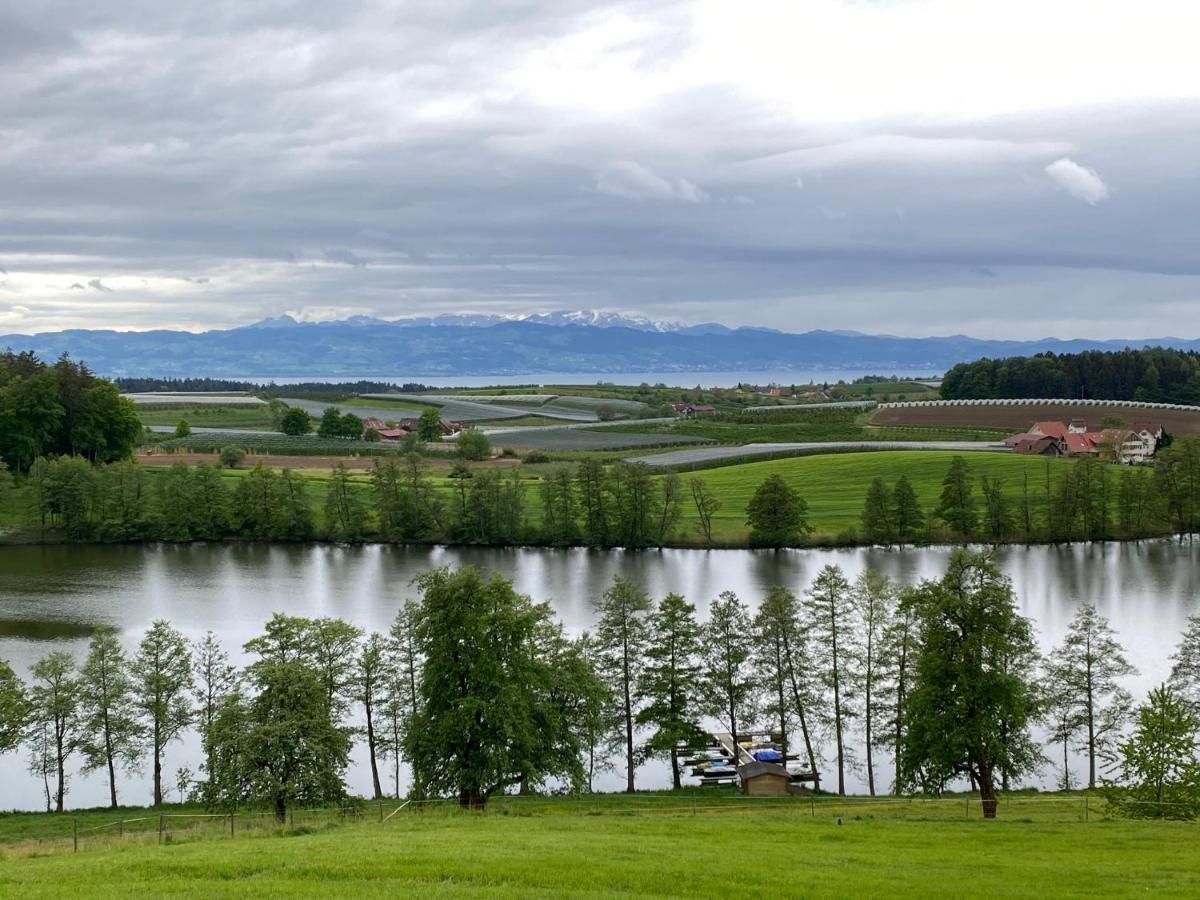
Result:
<point x="488" y="345"/>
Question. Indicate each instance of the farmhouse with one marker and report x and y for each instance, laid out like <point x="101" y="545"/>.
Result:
<point x="1122" y="445"/>
<point x="398" y="431"/>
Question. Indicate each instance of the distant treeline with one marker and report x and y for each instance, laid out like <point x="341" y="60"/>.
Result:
<point x="60" y="409"/>
<point x="1152" y="374"/>
<point x="319" y="390"/>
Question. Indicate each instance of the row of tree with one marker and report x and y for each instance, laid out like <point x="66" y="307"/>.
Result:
<point x="1153" y="374"/>
<point x="599" y="505"/>
<point x="1089" y="500"/>
<point x="48" y="410"/>
<point x="479" y="690"/>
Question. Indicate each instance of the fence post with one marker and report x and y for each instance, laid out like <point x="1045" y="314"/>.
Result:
<point x="812" y="805"/>
<point x="231" y="834"/>
<point x="161" y="822"/>
<point x="380" y="810"/>
<point x="967" y="805"/>
<point x="75" y="834"/>
<point x="1086" y="811"/>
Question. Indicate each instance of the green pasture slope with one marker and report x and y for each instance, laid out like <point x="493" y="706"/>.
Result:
<point x="626" y="847"/>
<point x="835" y="485"/>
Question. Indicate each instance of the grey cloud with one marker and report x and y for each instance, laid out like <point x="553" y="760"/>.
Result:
<point x="219" y="150"/>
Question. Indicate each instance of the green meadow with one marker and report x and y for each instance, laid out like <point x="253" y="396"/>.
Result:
<point x="687" y="845"/>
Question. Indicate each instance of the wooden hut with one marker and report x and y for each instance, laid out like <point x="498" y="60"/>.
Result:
<point x="762" y="779"/>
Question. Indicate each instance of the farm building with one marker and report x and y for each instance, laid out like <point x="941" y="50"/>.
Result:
<point x="1121" y="445"/>
<point x="764" y="779"/>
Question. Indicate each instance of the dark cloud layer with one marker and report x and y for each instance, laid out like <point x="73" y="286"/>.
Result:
<point x="206" y="164"/>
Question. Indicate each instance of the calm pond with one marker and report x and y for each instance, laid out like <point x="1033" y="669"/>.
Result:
<point x="51" y="597"/>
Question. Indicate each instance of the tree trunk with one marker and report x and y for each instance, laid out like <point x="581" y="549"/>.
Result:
<point x="808" y="747"/>
<point x="280" y="809"/>
<point x="837" y="717"/>
<point x="628" y="721"/>
<point x="987" y="793"/>
<point x="675" y="782"/>
<point x="1091" y="723"/>
<point x="157" y="774"/>
<point x="62" y="780"/>
<point x="470" y="798"/>
<point x="371" y="753"/>
<point x="870" y="740"/>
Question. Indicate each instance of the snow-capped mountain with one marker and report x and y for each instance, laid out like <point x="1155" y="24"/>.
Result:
<point x="592" y="318"/>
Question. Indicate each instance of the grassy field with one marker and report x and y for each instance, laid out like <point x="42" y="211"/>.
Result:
<point x="208" y="415"/>
<point x="645" y="845"/>
<point x="835" y="485"/>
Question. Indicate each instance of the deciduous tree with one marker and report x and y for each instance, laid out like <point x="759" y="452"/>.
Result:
<point x="110" y="733"/>
<point x="162" y="681"/>
<point x="973" y="697"/>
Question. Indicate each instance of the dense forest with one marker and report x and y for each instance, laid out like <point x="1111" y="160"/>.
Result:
<point x="309" y="389"/>
<point x="61" y="410"/>
<point x="1152" y="374"/>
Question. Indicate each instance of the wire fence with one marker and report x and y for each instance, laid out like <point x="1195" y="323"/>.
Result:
<point x="78" y="833"/>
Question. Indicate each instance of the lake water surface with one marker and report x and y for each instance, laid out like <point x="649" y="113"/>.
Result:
<point x="51" y="597"/>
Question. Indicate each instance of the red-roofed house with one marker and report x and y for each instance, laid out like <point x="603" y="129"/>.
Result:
<point x="1050" y="429"/>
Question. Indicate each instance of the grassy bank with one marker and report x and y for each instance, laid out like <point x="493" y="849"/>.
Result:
<point x="645" y="845"/>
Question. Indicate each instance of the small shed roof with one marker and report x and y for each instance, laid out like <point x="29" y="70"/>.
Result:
<point x="755" y="769"/>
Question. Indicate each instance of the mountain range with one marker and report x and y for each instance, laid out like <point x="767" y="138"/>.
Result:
<point x="582" y="342"/>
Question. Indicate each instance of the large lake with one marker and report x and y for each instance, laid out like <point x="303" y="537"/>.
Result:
<point x="51" y="596"/>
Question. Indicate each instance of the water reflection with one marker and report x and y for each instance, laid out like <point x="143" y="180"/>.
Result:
<point x="52" y="597"/>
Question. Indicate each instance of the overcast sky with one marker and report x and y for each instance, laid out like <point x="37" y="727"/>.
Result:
<point x="1003" y="169"/>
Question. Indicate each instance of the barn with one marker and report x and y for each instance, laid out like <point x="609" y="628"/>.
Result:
<point x="763" y="779"/>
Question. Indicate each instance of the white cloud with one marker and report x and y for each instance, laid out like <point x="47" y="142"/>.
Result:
<point x="1078" y="181"/>
<point x="633" y="181"/>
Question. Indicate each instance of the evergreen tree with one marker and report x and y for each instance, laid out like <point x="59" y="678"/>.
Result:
<point x="345" y="517"/>
<point x="907" y="517"/>
<point x="54" y="717"/>
<point x="1087" y="666"/>
<point x="998" y="520"/>
<point x="162" y="680"/>
<point x="295" y="522"/>
<point x="876" y="515"/>
<point x="1185" y="668"/>
<point x="781" y="651"/>
<point x="874" y="598"/>
<point x="957" y="506"/>
<point x="210" y="504"/>
<point x="369" y="678"/>
<point x="732" y="688"/>
<point x="895" y="680"/>
<point x="216" y="681"/>
<point x="670" y="681"/>
<point x="176" y="502"/>
<point x="598" y="513"/>
<point x="110" y="733"/>
<point x="829" y="607"/>
<point x="622" y="638"/>
<point x="560" y="517"/>
<point x="399" y="690"/>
